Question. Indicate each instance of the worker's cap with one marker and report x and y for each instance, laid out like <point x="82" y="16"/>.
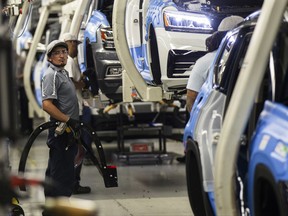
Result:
<point x="229" y="23"/>
<point x="54" y="44"/>
<point x="69" y="37"/>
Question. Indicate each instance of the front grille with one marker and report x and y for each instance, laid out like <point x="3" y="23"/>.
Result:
<point x="180" y="61"/>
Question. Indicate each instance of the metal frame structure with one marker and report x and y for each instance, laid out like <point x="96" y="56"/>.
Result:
<point x="73" y="19"/>
<point x="132" y="80"/>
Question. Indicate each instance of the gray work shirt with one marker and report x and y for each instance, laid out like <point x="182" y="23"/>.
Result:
<point x="57" y="85"/>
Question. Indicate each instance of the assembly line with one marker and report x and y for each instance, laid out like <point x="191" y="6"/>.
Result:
<point x="172" y="107"/>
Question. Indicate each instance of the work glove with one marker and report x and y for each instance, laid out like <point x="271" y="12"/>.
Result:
<point x="74" y="124"/>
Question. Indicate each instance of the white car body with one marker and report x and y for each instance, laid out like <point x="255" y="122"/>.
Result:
<point x="165" y="49"/>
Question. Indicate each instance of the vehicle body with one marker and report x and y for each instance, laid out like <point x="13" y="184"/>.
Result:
<point x="268" y="161"/>
<point x="268" y="45"/>
<point x="203" y="128"/>
<point x="265" y="179"/>
<point x="261" y="171"/>
<point x="99" y="51"/>
<point x="163" y="48"/>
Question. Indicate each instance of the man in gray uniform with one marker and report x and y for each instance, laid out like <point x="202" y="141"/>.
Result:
<point x="59" y="100"/>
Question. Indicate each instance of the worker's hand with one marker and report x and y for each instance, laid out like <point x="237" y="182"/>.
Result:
<point x="74" y="124"/>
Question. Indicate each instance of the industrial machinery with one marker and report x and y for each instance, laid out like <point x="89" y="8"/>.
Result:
<point x="108" y="173"/>
<point x="9" y="203"/>
<point x="72" y="13"/>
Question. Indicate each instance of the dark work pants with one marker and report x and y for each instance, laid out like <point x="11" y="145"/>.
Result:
<point x="60" y="170"/>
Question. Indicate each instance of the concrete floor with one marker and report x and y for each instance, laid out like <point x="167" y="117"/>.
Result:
<point x="144" y="190"/>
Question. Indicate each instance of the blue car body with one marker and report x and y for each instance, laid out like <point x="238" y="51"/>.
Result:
<point x="262" y="177"/>
<point x="200" y="101"/>
<point x="269" y="155"/>
<point x="203" y="128"/>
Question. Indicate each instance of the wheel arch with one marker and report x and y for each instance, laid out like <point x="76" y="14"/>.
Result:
<point x="90" y="67"/>
<point x="88" y="52"/>
<point x="154" y="62"/>
<point x="198" y="199"/>
<point x="267" y="197"/>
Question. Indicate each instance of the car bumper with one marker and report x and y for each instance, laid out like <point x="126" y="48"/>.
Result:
<point x="178" y="52"/>
<point x="109" y="83"/>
